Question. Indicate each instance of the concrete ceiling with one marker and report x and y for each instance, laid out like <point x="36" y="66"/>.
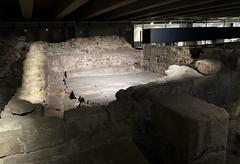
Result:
<point x="115" y="10"/>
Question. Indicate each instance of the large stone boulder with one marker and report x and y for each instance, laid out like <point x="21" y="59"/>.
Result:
<point x="209" y="66"/>
<point x="22" y="107"/>
<point x="176" y="72"/>
<point x="17" y="107"/>
<point x="196" y="131"/>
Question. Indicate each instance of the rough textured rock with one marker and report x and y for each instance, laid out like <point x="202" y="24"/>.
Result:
<point x="158" y="58"/>
<point x="19" y="107"/>
<point x="10" y="145"/>
<point x="12" y="54"/>
<point x="120" y="110"/>
<point x="30" y="134"/>
<point x="228" y="55"/>
<point x="50" y="155"/>
<point x="204" y="125"/>
<point x="176" y="72"/>
<point x="121" y="152"/>
<point x="82" y="122"/>
<point x="34" y="77"/>
<point x="234" y="109"/>
<point x="92" y="54"/>
<point x="208" y="66"/>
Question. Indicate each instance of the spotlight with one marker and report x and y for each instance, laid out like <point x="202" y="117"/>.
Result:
<point x="152" y="23"/>
<point x="46" y="29"/>
<point x="25" y="30"/>
<point x="170" y="22"/>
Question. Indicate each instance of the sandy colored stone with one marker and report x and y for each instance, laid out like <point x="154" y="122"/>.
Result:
<point x="208" y="66"/>
<point x="176" y="72"/>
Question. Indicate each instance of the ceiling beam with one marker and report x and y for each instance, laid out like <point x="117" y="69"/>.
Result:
<point x="214" y="12"/>
<point x="170" y="8"/>
<point x="26" y="8"/>
<point x="140" y="5"/>
<point x="204" y="9"/>
<point x="100" y="7"/>
<point x="68" y="6"/>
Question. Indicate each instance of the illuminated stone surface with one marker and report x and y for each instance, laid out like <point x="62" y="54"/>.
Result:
<point x="209" y="66"/>
<point x="176" y="72"/>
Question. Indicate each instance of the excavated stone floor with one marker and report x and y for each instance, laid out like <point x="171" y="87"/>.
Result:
<point x="102" y="89"/>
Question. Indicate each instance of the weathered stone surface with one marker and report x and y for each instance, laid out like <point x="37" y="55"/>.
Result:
<point x="120" y="94"/>
<point x="91" y="54"/>
<point x="83" y="122"/>
<point x="158" y="58"/>
<point x="54" y="155"/>
<point x="54" y="113"/>
<point x="13" y="52"/>
<point x="121" y="152"/>
<point x="120" y="110"/>
<point x="176" y="72"/>
<point x="90" y="127"/>
<point x="19" y="107"/>
<point x="34" y="133"/>
<point x="10" y="145"/>
<point x="34" y="76"/>
<point x="234" y="109"/>
<point x="208" y="66"/>
<point x="193" y="127"/>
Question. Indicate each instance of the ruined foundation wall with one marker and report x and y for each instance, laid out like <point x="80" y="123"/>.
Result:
<point x="109" y="54"/>
<point x="13" y="53"/>
<point x="217" y="89"/>
<point x="158" y="58"/>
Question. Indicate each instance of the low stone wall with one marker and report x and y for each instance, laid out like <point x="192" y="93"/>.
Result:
<point x="217" y="89"/>
<point x="94" y="53"/>
<point x="158" y="58"/>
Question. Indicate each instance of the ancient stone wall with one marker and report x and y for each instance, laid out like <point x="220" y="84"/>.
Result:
<point x="217" y="89"/>
<point x="158" y="58"/>
<point x="13" y="53"/>
<point x="109" y="54"/>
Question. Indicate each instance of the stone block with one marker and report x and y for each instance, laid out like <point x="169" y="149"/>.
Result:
<point x="205" y="86"/>
<point x="19" y="107"/>
<point x="82" y="123"/>
<point x="120" y="110"/>
<point x="34" y="133"/>
<point x="10" y="144"/>
<point x="197" y="131"/>
<point x="208" y="66"/>
<point x="50" y="155"/>
<point x="176" y="73"/>
<point x="122" y="152"/>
